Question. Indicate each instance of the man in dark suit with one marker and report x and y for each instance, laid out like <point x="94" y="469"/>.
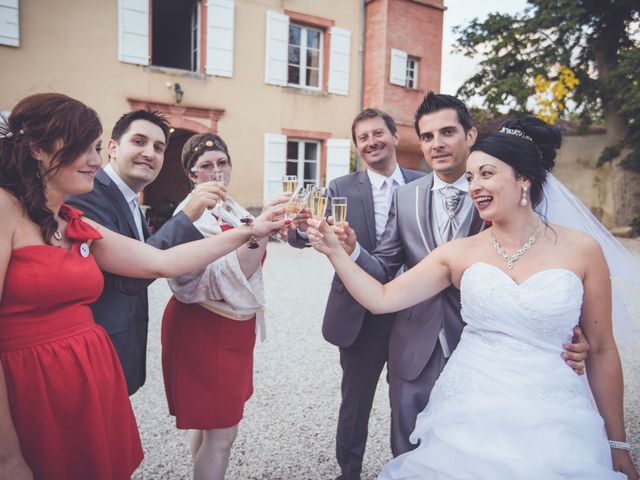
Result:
<point x="136" y="154"/>
<point x="362" y="337"/>
<point x="424" y="214"/>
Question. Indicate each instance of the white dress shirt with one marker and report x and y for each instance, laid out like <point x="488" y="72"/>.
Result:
<point x="132" y="198"/>
<point x="382" y="196"/>
<point x="382" y="189"/>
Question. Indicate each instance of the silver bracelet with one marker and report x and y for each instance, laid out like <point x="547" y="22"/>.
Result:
<point x="620" y="445"/>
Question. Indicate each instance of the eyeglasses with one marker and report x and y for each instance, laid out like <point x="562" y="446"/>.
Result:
<point x="211" y="166"/>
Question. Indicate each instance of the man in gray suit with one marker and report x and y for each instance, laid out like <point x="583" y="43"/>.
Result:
<point x="362" y="337"/>
<point x="136" y="154"/>
<point x="424" y="214"/>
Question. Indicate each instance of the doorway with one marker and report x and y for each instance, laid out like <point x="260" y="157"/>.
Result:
<point x="172" y="186"/>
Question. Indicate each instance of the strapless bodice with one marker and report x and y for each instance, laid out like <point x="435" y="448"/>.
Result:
<point x="541" y="311"/>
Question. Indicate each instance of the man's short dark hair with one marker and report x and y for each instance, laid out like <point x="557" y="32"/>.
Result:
<point x="368" y="113"/>
<point x="434" y="102"/>
<point x="125" y="121"/>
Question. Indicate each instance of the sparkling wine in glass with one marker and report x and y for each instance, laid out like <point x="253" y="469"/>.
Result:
<point x="289" y="183"/>
<point x="297" y="202"/>
<point x="318" y="202"/>
<point x="217" y="177"/>
<point x="339" y="209"/>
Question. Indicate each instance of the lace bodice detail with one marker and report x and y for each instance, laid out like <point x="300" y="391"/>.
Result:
<point x="541" y="311"/>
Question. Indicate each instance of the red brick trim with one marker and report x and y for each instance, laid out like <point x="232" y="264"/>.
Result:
<point x="204" y="12"/>
<point x="311" y="20"/>
<point x="306" y="134"/>
<point x="176" y="114"/>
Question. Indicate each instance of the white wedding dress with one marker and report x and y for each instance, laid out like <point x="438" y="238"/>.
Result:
<point x="506" y="406"/>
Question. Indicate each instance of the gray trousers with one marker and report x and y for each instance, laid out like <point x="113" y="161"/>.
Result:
<point x="408" y="399"/>
<point x="362" y="363"/>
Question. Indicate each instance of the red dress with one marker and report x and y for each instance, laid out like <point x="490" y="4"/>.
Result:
<point x="66" y="390"/>
<point x="207" y="363"/>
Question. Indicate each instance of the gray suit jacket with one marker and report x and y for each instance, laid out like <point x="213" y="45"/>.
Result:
<point x="343" y="316"/>
<point x="407" y="239"/>
<point x="124" y="302"/>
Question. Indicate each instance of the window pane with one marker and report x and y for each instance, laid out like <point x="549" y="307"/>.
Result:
<point x="310" y="151"/>
<point x="313" y="58"/>
<point x="294" y="55"/>
<point x="294" y="74"/>
<point x="292" y="168"/>
<point x="292" y="150"/>
<point x="313" y="76"/>
<point x="313" y="39"/>
<point x="294" y="35"/>
<point x="310" y="171"/>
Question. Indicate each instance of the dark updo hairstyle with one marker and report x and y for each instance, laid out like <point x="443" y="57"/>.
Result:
<point x="195" y="146"/>
<point x="59" y="125"/>
<point x="529" y="146"/>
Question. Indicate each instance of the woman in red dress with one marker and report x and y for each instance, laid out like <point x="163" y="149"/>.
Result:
<point x="64" y="410"/>
<point x="208" y="328"/>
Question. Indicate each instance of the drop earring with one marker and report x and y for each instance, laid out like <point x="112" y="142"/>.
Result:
<point x="523" y="200"/>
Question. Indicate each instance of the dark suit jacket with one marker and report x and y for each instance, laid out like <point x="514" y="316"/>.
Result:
<point x="407" y="239"/>
<point x="123" y="305"/>
<point x="343" y="315"/>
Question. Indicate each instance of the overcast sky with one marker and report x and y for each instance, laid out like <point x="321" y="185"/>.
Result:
<point x="457" y="68"/>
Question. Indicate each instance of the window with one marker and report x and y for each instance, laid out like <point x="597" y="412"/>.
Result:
<point x="305" y="52"/>
<point x="176" y="32"/>
<point x="303" y="159"/>
<point x="10" y="23"/>
<point x="403" y="69"/>
<point x="412" y="73"/>
<point x="180" y="38"/>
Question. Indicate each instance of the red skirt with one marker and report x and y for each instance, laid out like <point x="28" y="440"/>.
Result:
<point x="207" y="363"/>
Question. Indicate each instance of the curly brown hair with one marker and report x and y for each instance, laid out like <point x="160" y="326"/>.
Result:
<point x="55" y="123"/>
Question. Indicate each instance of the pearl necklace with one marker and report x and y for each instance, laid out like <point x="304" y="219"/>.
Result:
<point x="511" y="259"/>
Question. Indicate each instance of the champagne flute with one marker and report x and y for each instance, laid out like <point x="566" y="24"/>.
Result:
<point x="217" y="177"/>
<point x="289" y="183"/>
<point x="339" y="210"/>
<point x="297" y="202"/>
<point x="318" y="202"/>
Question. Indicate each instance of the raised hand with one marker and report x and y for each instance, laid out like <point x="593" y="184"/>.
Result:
<point x="346" y="235"/>
<point x="270" y="221"/>
<point x="301" y="220"/>
<point x="204" y="195"/>
<point x="323" y="237"/>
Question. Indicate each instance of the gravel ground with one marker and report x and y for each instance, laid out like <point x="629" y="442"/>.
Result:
<point x="289" y="425"/>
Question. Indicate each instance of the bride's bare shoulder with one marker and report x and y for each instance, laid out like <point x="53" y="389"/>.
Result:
<point x="577" y="242"/>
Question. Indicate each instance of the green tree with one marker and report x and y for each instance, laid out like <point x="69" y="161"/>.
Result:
<point x="599" y="40"/>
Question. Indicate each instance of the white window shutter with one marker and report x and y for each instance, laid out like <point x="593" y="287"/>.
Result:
<point x="10" y="23"/>
<point x="398" y="69"/>
<point x="338" y="158"/>
<point x="133" y="31"/>
<point x="339" y="60"/>
<point x="277" y="51"/>
<point x="220" y="22"/>
<point x="275" y="158"/>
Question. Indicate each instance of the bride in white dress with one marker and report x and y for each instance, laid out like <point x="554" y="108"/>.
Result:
<point x="506" y="406"/>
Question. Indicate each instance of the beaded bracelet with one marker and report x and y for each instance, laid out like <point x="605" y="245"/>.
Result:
<point x="252" y="243"/>
<point x="620" y="445"/>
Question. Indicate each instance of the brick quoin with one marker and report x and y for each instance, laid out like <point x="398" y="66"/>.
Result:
<point x="414" y="26"/>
